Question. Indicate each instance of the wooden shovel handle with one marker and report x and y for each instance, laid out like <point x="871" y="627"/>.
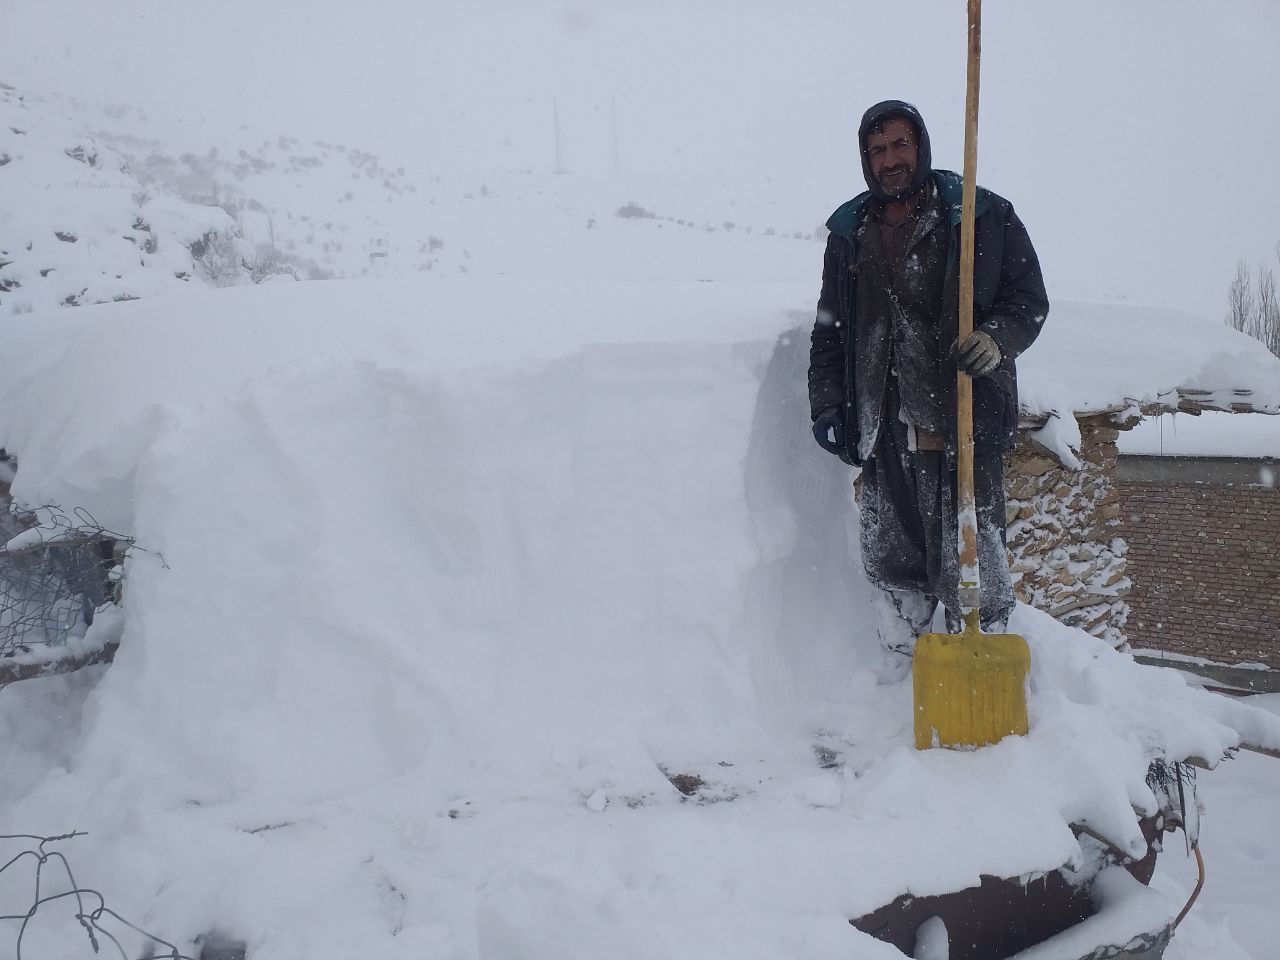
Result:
<point x="967" y="508"/>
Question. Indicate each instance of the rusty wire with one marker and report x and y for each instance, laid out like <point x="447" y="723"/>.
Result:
<point x="60" y="572"/>
<point x="101" y="924"/>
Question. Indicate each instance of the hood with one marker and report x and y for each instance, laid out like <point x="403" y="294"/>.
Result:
<point x="848" y="217"/>
<point x="892" y="109"/>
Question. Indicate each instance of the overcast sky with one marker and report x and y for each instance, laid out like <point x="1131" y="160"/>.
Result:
<point x="1137" y="139"/>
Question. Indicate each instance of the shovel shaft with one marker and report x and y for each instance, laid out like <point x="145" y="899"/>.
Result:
<point x="967" y="512"/>
<point x="969" y="689"/>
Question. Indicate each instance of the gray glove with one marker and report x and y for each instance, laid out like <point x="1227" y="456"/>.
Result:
<point x="978" y="355"/>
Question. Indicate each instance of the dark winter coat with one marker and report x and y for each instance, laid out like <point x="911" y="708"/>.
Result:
<point x="848" y="358"/>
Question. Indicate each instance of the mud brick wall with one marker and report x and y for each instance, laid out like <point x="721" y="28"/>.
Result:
<point x="1205" y="564"/>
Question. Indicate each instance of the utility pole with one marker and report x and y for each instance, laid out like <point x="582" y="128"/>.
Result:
<point x="555" y="107"/>
<point x="613" y="122"/>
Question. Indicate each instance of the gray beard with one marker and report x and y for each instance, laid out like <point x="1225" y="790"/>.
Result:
<point x="902" y="192"/>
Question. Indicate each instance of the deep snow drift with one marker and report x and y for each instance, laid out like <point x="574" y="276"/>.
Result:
<point x="440" y="584"/>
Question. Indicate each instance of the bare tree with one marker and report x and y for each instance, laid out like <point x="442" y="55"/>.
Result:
<point x="266" y="261"/>
<point x="1273" y="312"/>
<point x="1255" y="310"/>
<point x="1240" y="299"/>
<point x="1268" y="310"/>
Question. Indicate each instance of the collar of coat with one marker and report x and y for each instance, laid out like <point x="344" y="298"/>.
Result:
<point x="848" y="218"/>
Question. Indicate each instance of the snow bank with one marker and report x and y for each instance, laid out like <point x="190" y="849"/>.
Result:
<point x="444" y="587"/>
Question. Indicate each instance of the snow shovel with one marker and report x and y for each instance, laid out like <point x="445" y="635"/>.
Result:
<point x="970" y="688"/>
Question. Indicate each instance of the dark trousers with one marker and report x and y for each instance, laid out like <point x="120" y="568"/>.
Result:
<point x="909" y="535"/>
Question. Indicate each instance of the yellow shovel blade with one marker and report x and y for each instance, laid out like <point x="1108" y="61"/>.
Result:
<point x="970" y="688"/>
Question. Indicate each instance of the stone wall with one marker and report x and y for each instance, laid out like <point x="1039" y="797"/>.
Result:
<point x="1205" y="567"/>
<point x="1066" y="555"/>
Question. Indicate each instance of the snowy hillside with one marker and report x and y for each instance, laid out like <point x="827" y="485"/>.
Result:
<point x="261" y="208"/>
<point x="334" y="209"/>
<point x="473" y="633"/>
<point x="76" y="227"/>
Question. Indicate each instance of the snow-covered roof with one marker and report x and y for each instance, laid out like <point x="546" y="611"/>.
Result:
<point x="441" y="583"/>
<point x="1097" y="358"/>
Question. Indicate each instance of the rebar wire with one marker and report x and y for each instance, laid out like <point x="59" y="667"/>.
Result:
<point x="59" y="573"/>
<point x="91" y="907"/>
<point x="1172" y="782"/>
<point x="1196" y="892"/>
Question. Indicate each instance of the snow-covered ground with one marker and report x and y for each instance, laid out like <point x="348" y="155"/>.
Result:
<point x="1241" y="850"/>
<point x="446" y="577"/>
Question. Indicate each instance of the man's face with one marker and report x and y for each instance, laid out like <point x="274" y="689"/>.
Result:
<point x="894" y="154"/>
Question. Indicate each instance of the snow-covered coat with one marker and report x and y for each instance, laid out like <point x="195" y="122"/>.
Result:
<point x="847" y="370"/>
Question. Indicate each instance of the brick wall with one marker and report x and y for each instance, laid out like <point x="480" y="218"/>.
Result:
<point x="1204" y="560"/>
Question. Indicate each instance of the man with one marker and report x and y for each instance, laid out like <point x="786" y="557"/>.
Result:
<point x="882" y="373"/>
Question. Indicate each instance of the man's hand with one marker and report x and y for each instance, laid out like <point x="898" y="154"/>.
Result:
<point x="978" y="355"/>
<point x="828" y="430"/>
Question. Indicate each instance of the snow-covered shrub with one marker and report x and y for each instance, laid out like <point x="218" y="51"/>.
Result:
<point x="219" y="259"/>
<point x="266" y="262"/>
<point x="633" y="211"/>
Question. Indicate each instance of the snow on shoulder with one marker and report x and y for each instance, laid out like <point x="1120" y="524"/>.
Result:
<point x="495" y="619"/>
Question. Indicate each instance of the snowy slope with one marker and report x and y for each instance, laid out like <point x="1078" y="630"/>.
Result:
<point x="76" y="227"/>
<point x="318" y="209"/>
<point x="331" y="209"/>
<point x="338" y="210"/>
<point x="435" y="606"/>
